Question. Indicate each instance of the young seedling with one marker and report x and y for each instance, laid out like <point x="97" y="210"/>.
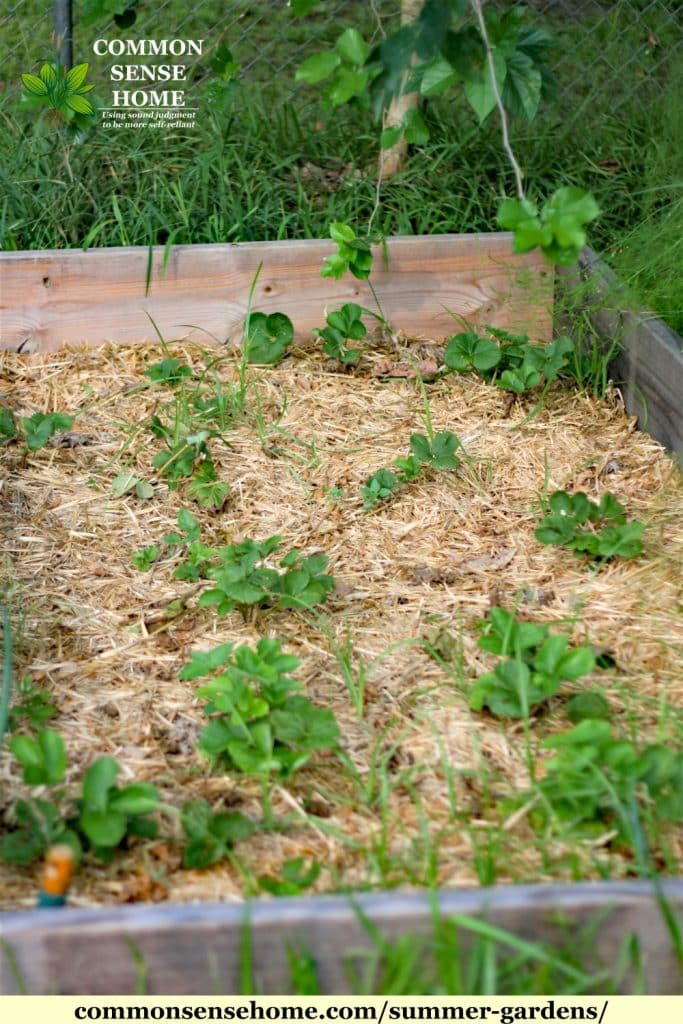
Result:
<point x="378" y="487"/>
<point x="206" y="489"/>
<point x="535" y="664"/>
<point x="37" y="429"/>
<point x="469" y="351"/>
<point x="197" y="555"/>
<point x="186" y="457"/>
<point x="267" y="337"/>
<point x="144" y="558"/>
<point x="599" y="531"/>
<point x="8" y="425"/>
<point x="42" y="758"/>
<point x="170" y="371"/>
<point x="343" y="325"/>
<point x="587" y="704"/>
<point x="32" y="706"/>
<point x="436" y="451"/>
<point x="211" y="835"/>
<point x="354" y="668"/>
<point x="296" y="877"/>
<point x="39" y="825"/>
<point x="127" y="482"/>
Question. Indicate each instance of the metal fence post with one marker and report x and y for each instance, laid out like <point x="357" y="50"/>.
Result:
<point x="63" y="27"/>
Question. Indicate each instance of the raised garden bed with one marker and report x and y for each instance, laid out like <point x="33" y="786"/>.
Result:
<point x="417" y="799"/>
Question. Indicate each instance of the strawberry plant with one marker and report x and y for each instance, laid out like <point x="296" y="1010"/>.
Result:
<point x="596" y="779"/>
<point x="196" y="405"/>
<point x="144" y="558"/>
<point x="106" y="813"/>
<point x="241" y="573"/>
<point x="587" y="704"/>
<point x="189" y="527"/>
<point x="32" y="706"/>
<point x="205" y="488"/>
<point x="296" y="877"/>
<point x="37" y="429"/>
<point x="198" y="556"/>
<point x="241" y="577"/>
<point x="39" y="824"/>
<point x="343" y="325"/>
<point x="170" y="371"/>
<point x="43" y="758"/>
<point x="127" y="482"/>
<point x="436" y="451"/>
<point x="8" y="425"/>
<point x="511" y="362"/>
<point x="598" y="530"/>
<point x="186" y="457"/>
<point x="184" y="448"/>
<point x="382" y="484"/>
<point x="260" y="725"/>
<point x="99" y="819"/>
<point x="535" y="664"/>
<point x="211" y="835"/>
<point x="267" y="337"/>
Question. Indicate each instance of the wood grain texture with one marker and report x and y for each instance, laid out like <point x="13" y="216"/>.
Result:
<point x="649" y="366"/>
<point x="195" y="949"/>
<point x="55" y="297"/>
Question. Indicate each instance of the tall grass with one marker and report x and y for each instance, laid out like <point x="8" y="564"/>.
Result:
<point x="649" y="256"/>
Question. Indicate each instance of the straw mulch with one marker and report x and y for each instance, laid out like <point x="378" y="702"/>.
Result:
<point x="92" y="630"/>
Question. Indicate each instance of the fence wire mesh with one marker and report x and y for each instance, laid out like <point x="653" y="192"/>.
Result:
<point x="610" y="55"/>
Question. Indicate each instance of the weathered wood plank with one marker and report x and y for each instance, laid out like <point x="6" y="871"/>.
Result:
<point x="195" y="949"/>
<point x="649" y="365"/>
<point x="53" y="297"/>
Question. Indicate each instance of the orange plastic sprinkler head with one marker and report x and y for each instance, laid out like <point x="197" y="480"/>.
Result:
<point x="56" y="876"/>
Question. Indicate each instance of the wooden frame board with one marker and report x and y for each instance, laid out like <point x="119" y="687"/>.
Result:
<point x="196" y="949"/>
<point x="53" y="297"/>
<point x="648" y="366"/>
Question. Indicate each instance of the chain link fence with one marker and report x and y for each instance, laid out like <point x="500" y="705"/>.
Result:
<point x="611" y="55"/>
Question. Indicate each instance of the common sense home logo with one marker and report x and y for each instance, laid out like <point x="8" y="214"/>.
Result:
<point x="62" y="92"/>
<point x="169" y="76"/>
<point x="149" y="85"/>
